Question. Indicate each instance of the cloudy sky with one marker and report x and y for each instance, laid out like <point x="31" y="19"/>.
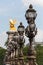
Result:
<point x="15" y="9"/>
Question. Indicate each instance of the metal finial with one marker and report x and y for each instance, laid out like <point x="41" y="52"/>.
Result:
<point x="20" y="23"/>
<point x="30" y="6"/>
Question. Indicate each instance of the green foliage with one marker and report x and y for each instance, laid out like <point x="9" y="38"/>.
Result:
<point x="39" y="50"/>
<point x="2" y="53"/>
<point x="25" y="50"/>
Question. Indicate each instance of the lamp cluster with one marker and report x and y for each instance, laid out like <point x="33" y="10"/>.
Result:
<point x="14" y="54"/>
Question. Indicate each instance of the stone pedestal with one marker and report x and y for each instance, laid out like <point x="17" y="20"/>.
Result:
<point x="12" y="52"/>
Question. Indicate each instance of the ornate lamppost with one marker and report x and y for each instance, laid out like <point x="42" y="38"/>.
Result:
<point x="30" y="32"/>
<point x="21" y="41"/>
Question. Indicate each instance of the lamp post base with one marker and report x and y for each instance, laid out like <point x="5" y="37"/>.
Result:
<point x="31" y="57"/>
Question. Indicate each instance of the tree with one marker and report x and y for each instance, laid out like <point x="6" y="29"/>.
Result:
<point x="2" y="54"/>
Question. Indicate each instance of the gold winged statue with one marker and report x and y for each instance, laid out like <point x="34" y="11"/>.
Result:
<point x="12" y="25"/>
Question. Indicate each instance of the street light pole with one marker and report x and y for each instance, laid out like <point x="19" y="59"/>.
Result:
<point x="30" y="32"/>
